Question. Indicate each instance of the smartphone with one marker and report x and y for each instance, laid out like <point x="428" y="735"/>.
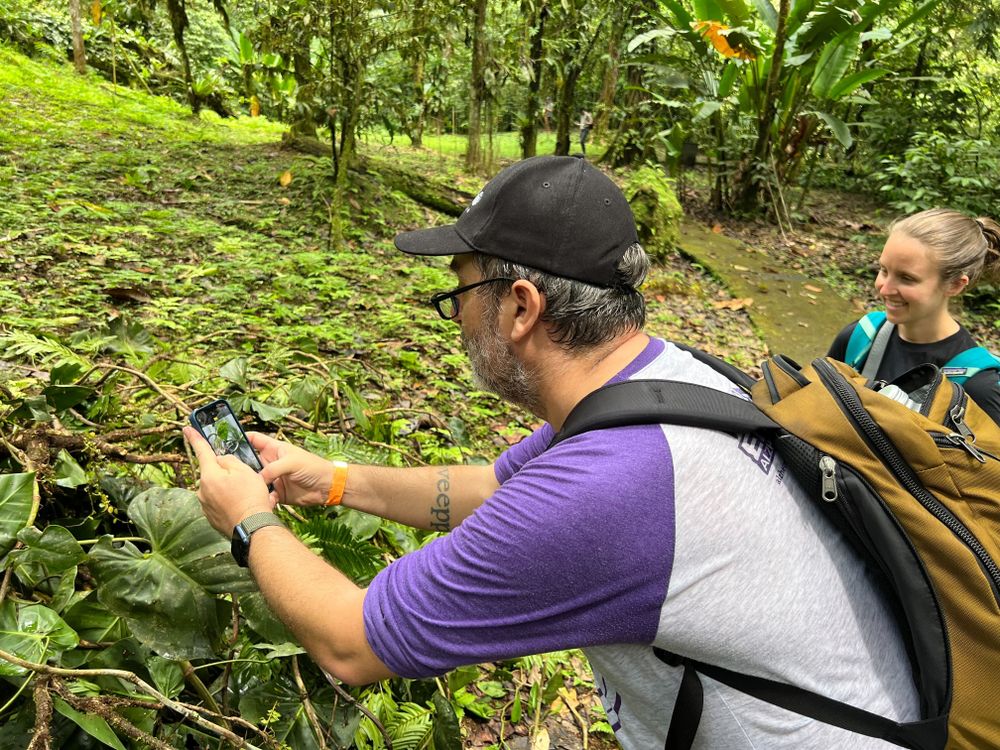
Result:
<point x="218" y="425"/>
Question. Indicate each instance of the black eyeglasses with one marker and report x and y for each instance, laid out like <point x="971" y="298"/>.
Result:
<point x="446" y="303"/>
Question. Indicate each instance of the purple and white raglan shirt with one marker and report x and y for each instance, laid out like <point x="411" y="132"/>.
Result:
<point x="684" y="538"/>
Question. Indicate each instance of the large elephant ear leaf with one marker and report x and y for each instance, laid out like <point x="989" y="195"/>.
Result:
<point x="169" y="595"/>
<point x="17" y="492"/>
<point x="33" y="632"/>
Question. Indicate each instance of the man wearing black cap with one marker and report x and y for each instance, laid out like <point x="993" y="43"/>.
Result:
<point x="624" y="542"/>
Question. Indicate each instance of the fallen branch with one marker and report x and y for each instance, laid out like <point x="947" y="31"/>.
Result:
<point x="189" y="712"/>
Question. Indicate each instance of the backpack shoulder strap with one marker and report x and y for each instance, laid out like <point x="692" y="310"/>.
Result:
<point x="971" y="362"/>
<point x="862" y="337"/>
<point x="635" y="402"/>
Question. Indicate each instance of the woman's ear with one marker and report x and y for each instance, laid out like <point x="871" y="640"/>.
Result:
<point x="957" y="286"/>
<point x="526" y="307"/>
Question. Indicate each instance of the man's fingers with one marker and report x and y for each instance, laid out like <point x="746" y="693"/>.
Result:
<point x="202" y="450"/>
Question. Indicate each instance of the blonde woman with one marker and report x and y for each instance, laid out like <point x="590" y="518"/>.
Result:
<point x="929" y="259"/>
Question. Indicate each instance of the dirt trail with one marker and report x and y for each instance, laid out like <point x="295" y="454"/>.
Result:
<point x="795" y="315"/>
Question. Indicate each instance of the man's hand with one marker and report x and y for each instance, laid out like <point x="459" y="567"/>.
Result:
<point x="299" y="477"/>
<point x="230" y="490"/>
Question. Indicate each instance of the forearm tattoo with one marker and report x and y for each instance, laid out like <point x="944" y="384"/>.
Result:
<point x="441" y="510"/>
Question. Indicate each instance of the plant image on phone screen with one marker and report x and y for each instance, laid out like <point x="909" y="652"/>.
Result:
<point x="217" y="423"/>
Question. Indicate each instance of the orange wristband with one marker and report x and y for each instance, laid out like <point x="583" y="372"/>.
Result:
<point x="338" y="483"/>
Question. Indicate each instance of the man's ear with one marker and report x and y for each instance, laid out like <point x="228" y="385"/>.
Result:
<point x="526" y="307"/>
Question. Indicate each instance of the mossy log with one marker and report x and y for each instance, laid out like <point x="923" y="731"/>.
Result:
<point x="431" y="193"/>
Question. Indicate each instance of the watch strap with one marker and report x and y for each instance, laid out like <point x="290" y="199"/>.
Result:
<point x="256" y="521"/>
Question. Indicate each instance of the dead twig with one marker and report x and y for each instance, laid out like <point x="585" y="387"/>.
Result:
<point x="308" y="706"/>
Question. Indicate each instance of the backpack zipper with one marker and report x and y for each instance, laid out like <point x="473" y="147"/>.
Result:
<point x="887" y="452"/>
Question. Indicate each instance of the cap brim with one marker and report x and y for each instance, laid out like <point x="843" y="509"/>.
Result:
<point x="433" y="241"/>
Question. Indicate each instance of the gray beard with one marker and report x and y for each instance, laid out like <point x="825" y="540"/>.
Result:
<point x="496" y="369"/>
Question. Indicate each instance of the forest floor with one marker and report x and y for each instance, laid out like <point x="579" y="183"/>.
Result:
<point x="212" y="243"/>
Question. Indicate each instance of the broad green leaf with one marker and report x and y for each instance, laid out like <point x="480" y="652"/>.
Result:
<point x="279" y="650"/>
<point x="65" y="373"/>
<point x="921" y="12"/>
<point x="262" y="620"/>
<point x="840" y="130"/>
<point x="708" y="10"/>
<point x="292" y="727"/>
<point x="727" y="79"/>
<point x="833" y="63"/>
<point x="45" y="554"/>
<point x="736" y="11"/>
<point x="267" y="412"/>
<point x="235" y="371"/>
<point x="17" y="492"/>
<point x="646" y="36"/>
<point x="93" y="725"/>
<point x="67" y="471"/>
<point x="33" y="632"/>
<point x="168" y="596"/>
<point x="363" y="526"/>
<point x="447" y="731"/>
<point x="167" y="674"/>
<point x="848" y="84"/>
<point x="767" y="13"/>
<point x="94" y="622"/>
<point x="63" y="397"/>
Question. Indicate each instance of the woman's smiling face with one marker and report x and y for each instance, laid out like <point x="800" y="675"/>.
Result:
<point x="909" y="283"/>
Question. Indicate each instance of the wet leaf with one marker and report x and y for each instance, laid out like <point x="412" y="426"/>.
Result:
<point x="33" y="632"/>
<point x="16" y="495"/>
<point x="286" y="178"/>
<point x="168" y="596"/>
<point x="93" y="725"/>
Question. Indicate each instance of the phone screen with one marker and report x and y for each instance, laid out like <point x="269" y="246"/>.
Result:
<point x="223" y="432"/>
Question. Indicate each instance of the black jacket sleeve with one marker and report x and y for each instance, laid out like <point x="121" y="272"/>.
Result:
<point x="984" y="389"/>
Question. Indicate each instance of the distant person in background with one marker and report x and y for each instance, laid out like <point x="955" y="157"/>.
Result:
<point x="586" y="123"/>
<point x="929" y="258"/>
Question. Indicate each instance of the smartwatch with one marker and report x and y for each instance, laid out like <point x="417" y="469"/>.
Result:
<point x="240" y="545"/>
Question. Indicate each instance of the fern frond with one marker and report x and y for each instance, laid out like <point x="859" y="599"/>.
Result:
<point x="40" y="350"/>
<point x="411" y="728"/>
<point x="356" y="559"/>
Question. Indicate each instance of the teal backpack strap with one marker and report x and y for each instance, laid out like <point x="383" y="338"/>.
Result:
<point x="862" y="337"/>
<point x="972" y="361"/>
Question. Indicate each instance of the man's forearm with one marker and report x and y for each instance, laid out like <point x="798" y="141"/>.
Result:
<point x="319" y="604"/>
<point x="437" y="498"/>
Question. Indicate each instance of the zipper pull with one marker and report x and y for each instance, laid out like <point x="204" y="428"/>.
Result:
<point x="958" y="440"/>
<point x="828" y="467"/>
<point x="957" y="415"/>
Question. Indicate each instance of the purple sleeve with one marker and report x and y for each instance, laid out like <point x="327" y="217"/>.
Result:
<point x="512" y="459"/>
<point x="574" y="549"/>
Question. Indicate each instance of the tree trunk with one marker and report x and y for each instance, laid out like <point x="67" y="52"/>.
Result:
<point x="529" y="130"/>
<point x="304" y="118"/>
<point x="477" y="86"/>
<point x="179" y="23"/>
<point x="609" y="81"/>
<point x="79" y="58"/>
<point x="418" y="66"/>
<point x="749" y="184"/>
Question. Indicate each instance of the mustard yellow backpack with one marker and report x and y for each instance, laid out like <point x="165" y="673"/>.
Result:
<point x="915" y="487"/>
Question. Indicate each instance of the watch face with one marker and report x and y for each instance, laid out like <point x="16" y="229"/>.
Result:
<point x="240" y="547"/>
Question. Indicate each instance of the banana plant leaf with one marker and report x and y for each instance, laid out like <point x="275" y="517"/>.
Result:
<point x="169" y="596"/>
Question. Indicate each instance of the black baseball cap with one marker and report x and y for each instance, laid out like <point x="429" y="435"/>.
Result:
<point x="558" y="214"/>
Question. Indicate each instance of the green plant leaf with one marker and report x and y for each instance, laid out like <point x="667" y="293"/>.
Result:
<point x="833" y="63"/>
<point x="849" y="83"/>
<point x="168" y="596"/>
<point x="167" y="674"/>
<point x="17" y="492"/>
<point x="67" y="471"/>
<point x="93" y="622"/>
<point x="840" y="130"/>
<point x="291" y="725"/>
<point x="93" y="725"/>
<point x="767" y="13"/>
<point x="447" y="730"/>
<point x="235" y="371"/>
<point x="45" y="554"/>
<point x="63" y="397"/>
<point x="262" y="620"/>
<point x="34" y="632"/>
